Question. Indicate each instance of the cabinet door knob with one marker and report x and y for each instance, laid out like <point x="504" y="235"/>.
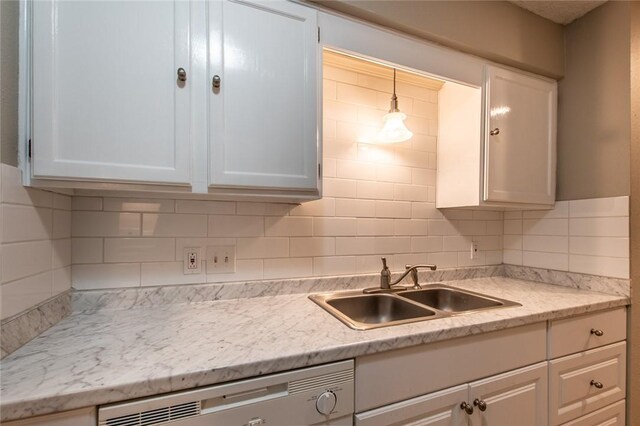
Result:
<point x="182" y="74"/>
<point x="494" y="132"/>
<point x="215" y="82"/>
<point x="467" y="408"/>
<point x="597" y="332"/>
<point x="482" y="406"/>
<point x="597" y="385"/>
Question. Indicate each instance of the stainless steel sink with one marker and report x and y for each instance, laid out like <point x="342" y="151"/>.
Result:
<point x="448" y="299"/>
<point x="366" y="311"/>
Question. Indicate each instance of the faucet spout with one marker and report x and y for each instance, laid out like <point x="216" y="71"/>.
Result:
<point x="385" y="277"/>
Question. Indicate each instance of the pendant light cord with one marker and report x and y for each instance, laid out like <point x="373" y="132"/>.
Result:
<point x="394" y="81"/>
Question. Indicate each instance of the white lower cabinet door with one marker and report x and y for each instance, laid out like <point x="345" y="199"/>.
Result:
<point x="515" y="398"/>
<point x="264" y="102"/>
<point x="110" y="90"/>
<point x="435" y="409"/>
<point x="611" y="415"/>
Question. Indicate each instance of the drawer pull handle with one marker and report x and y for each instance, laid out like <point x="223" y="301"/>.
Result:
<point x="597" y="332"/>
<point x="597" y="385"/>
<point x="182" y="74"/>
<point x="482" y="406"/>
<point x="495" y="132"/>
<point x="467" y="408"/>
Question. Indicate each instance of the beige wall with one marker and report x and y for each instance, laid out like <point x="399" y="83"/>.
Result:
<point x="497" y="30"/>
<point x="634" y="318"/>
<point x="9" y="13"/>
<point x="593" y="118"/>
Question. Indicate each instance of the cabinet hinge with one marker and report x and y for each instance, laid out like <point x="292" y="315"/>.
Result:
<point x="318" y="34"/>
<point x="320" y="170"/>
<point x="29" y="150"/>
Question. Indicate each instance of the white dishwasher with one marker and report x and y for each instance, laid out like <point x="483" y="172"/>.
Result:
<point x="322" y="395"/>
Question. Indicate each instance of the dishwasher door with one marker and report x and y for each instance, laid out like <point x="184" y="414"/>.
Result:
<point x="322" y="395"/>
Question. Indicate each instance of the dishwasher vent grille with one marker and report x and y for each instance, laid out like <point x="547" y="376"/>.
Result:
<point x="325" y="381"/>
<point x="155" y="417"/>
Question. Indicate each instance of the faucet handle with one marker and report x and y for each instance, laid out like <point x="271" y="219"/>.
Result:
<point x="384" y="262"/>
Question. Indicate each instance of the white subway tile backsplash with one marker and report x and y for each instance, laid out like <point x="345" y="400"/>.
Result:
<point x="205" y="207"/>
<point x="20" y="295"/>
<point x="512" y="242"/>
<point x="512" y="257"/>
<point x="443" y="259"/>
<point x="86" y="250"/>
<point x="617" y="267"/>
<point x="14" y="193"/>
<point x="600" y="227"/>
<point x="410" y="227"/>
<point x="288" y="268"/>
<point x="334" y="265"/>
<point x="61" y="202"/>
<point x="20" y="260"/>
<point x="263" y="209"/>
<point x="26" y="223"/>
<point x="61" y="224"/>
<point x="175" y="225"/>
<point x="457" y="243"/>
<point x="61" y="253"/>
<point x="393" y="209"/>
<point x="560" y="211"/>
<point x="105" y="275"/>
<point x="236" y="226"/>
<point x="138" y="205"/>
<point x="167" y="273"/>
<point x="599" y="246"/>
<point x="322" y="207"/>
<point x="123" y="250"/>
<point x="262" y="248"/>
<point x="537" y="259"/>
<point x="372" y="245"/>
<point x="335" y="226"/>
<point x="86" y="203"/>
<point x="394" y="174"/>
<point x="425" y="211"/>
<point x="61" y="280"/>
<point x="373" y="227"/>
<point x="339" y="188"/>
<point x="410" y="192"/>
<point x="600" y="207"/>
<point x="545" y="226"/>
<point x="246" y="270"/>
<point x="545" y="243"/>
<point x="288" y="226"/>
<point x="374" y="190"/>
<point x="427" y="244"/>
<point x="202" y="243"/>
<point x="355" y="208"/>
<point x="312" y="246"/>
<point x="102" y="224"/>
<point x="513" y="227"/>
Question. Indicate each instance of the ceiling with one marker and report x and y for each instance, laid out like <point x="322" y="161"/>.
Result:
<point x="559" y="11"/>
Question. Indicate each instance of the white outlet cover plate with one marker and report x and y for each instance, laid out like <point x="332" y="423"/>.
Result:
<point x="185" y="260"/>
<point x="221" y="259"/>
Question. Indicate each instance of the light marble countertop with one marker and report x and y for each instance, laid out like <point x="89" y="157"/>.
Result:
<point x="113" y="355"/>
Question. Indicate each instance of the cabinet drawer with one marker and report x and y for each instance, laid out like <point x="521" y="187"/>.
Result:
<point x="573" y="335"/>
<point x="585" y="382"/>
<point x="393" y="376"/>
<point x="612" y="415"/>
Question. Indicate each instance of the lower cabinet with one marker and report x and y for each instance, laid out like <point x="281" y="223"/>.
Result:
<point x="82" y="417"/>
<point x="519" y="396"/>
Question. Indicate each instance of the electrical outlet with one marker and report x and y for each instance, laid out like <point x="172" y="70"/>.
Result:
<point x="474" y="250"/>
<point x="192" y="263"/>
<point x="221" y="259"/>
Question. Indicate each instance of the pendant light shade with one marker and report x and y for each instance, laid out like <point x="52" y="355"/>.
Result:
<point x="393" y="128"/>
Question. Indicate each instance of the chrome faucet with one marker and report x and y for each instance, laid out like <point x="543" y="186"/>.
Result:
<point x="385" y="278"/>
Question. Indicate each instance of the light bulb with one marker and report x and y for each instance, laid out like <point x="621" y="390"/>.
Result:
<point x="393" y="129"/>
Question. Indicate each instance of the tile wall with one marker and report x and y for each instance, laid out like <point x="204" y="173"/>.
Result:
<point x="377" y="201"/>
<point x="35" y="244"/>
<point x="586" y="236"/>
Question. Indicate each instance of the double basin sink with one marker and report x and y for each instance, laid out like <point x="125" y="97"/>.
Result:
<point x="366" y="311"/>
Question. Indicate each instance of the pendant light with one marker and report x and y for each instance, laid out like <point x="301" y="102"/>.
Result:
<point x="393" y="127"/>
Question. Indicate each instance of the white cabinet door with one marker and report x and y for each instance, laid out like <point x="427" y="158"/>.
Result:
<point x="520" y="138"/>
<point x="107" y="104"/>
<point x="515" y="398"/>
<point x="263" y="122"/>
<point x="435" y="409"/>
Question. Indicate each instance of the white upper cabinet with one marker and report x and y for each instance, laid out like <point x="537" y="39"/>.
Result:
<point x="520" y="138"/>
<point x="264" y="114"/>
<point x="500" y="154"/>
<point x="107" y="104"/>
